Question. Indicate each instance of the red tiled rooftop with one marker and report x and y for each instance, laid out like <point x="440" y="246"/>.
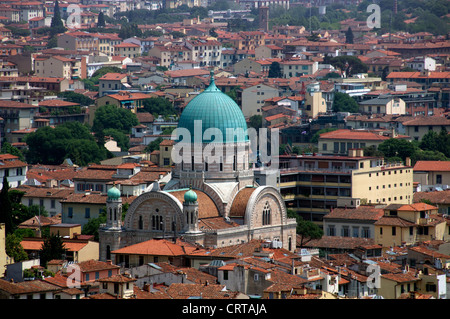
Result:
<point x="432" y="166"/>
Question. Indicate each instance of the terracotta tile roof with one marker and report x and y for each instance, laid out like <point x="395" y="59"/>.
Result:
<point x="432" y="166"/>
<point x="125" y="96"/>
<point x="345" y="134"/>
<point x="186" y="72"/>
<point x="368" y="213"/>
<point x="428" y="120"/>
<point x="113" y="76"/>
<point x="205" y="291"/>
<point x="401" y="277"/>
<point x="417" y="207"/>
<point x="93" y="198"/>
<point x="96" y="265"/>
<point x="394" y="221"/>
<point x="57" y="103"/>
<point x="118" y="278"/>
<point x="206" y="206"/>
<point x="157" y="247"/>
<point x="436" y="197"/>
<point x="418" y="75"/>
<point x="339" y="242"/>
<point x="145" y="117"/>
<point x="240" y="201"/>
<point x="429" y="252"/>
<point x="43" y="221"/>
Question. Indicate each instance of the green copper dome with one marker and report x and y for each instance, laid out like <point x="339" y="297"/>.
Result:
<point x="215" y="110"/>
<point x="190" y="196"/>
<point x="113" y="193"/>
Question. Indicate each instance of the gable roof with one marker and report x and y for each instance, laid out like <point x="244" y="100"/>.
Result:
<point x="157" y="247"/>
<point x="432" y="166"/>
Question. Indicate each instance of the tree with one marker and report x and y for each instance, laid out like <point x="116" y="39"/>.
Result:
<point x="101" y="20"/>
<point x="348" y="64"/>
<point x="9" y="149"/>
<point x="48" y="145"/>
<point x="306" y="229"/>
<point x="152" y="146"/>
<point x="344" y="103"/>
<point x="56" y="24"/>
<point x="275" y="70"/>
<point x="255" y="121"/>
<point x="349" y="36"/>
<point x="6" y="207"/>
<point x="76" y="98"/>
<point x="123" y="141"/>
<point x="397" y="148"/>
<point x="92" y="226"/>
<point x="111" y="116"/>
<point x="14" y="249"/>
<point x="158" y="106"/>
<point x="52" y="248"/>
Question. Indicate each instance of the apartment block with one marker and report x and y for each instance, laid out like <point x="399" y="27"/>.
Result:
<point x="311" y="185"/>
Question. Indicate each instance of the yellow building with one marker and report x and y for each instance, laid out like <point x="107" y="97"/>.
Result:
<point x="312" y="184"/>
<point x="165" y="153"/>
<point x="410" y="224"/>
<point x="340" y="141"/>
<point x="4" y="258"/>
<point x="130" y="50"/>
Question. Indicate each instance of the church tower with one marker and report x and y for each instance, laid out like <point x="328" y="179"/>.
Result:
<point x="190" y="211"/>
<point x="114" y="209"/>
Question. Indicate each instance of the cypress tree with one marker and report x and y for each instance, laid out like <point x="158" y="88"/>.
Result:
<point x="57" y="25"/>
<point x="6" y="207"/>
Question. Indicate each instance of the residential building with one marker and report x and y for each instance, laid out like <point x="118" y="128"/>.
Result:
<point x="418" y="126"/>
<point x="440" y="199"/>
<point x="129" y="50"/>
<point x="296" y="68"/>
<point x="169" y="54"/>
<point x="206" y="52"/>
<point x="425" y="78"/>
<point x="60" y="66"/>
<point x="76" y="249"/>
<point x="47" y="197"/>
<point x="312" y="184"/>
<point x="123" y="99"/>
<point x="112" y="83"/>
<point x="36" y="289"/>
<point x="14" y="169"/>
<point x="268" y="51"/>
<point x="410" y="224"/>
<point x="383" y="105"/>
<point x="28" y="9"/>
<point x="342" y="140"/>
<point x="432" y="174"/>
<point x="92" y="270"/>
<point x="16" y="116"/>
<point x="153" y="251"/>
<point x="118" y="286"/>
<point x="356" y="221"/>
<point x="252" y="98"/>
<point x="4" y="258"/>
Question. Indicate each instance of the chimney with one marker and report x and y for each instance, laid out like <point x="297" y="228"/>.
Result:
<point x="408" y="161"/>
<point x="352" y="152"/>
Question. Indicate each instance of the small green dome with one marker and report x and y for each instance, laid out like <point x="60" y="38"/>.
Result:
<point x="113" y="193"/>
<point x="190" y="196"/>
<point x="215" y="110"/>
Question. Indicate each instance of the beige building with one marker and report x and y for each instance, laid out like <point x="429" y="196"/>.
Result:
<point x="112" y="83"/>
<point x="410" y="224"/>
<point x="4" y="258"/>
<point x="314" y="103"/>
<point x="383" y="105"/>
<point x="59" y="66"/>
<point x="430" y="174"/>
<point x="297" y="68"/>
<point x="129" y="50"/>
<point x="252" y="98"/>
<point x="421" y="125"/>
<point x="342" y="140"/>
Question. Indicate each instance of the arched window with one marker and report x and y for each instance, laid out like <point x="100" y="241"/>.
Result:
<point x="266" y="218"/>
<point x="108" y="252"/>
<point x="157" y="222"/>
<point x="141" y="223"/>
